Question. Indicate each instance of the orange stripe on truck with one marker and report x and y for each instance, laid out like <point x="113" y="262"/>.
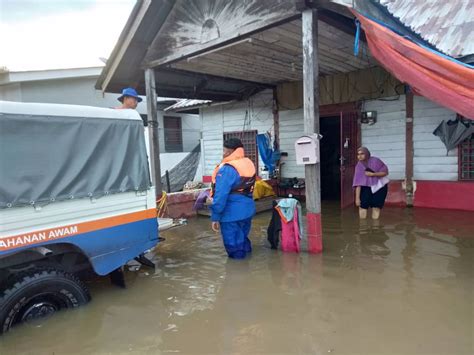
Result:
<point x="21" y="240"/>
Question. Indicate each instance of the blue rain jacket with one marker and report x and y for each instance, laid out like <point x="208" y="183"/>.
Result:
<point x="227" y="206"/>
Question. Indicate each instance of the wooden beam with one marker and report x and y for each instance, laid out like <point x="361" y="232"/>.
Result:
<point x="270" y="50"/>
<point x="256" y="64"/>
<point x="200" y="86"/>
<point x="311" y="126"/>
<point x="340" y="22"/>
<point x="335" y="51"/>
<point x="233" y="69"/>
<point x="248" y="66"/>
<point x="235" y="21"/>
<point x="276" y="118"/>
<point x="336" y="109"/>
<point x="219" y="69"/>
<point x="409" y="151"/>
<point x="152" y="111"/>
<point x="220" y="48"/>
<point x="210" y="77"/>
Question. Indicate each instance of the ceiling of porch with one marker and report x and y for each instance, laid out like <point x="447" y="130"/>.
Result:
<point x="254" y="48"/>
<point x="275" y="55"/>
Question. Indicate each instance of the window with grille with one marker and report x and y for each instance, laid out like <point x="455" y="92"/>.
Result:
<point x="466" y="159"/>
<point x="249" y="140"/>
<point x="173" y="134"/>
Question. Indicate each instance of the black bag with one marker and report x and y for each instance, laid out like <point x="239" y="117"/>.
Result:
<point x="274" y="228"/>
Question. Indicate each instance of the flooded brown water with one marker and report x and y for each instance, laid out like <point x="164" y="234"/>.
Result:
<point x="404" y="286"/>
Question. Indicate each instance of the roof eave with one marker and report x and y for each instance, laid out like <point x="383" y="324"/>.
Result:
<point x="121" y="46"/>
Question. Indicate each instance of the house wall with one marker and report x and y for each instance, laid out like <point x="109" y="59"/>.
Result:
<point x="212" y="128"/>
<point x="435" y="173"/>
<point x="11" y="92"/>
<point x="386" y="138"/>
<point x="430" y="159"/>
<point x="216" y="120"/>
<point x="81" y="91"/>
<point x="291" y="128"/>
<point x="342" y="88"/>
<point x="190" y="125"/>
<point x="226" y="118"/>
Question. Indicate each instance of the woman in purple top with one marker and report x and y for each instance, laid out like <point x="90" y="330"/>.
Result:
<point x="370" y="182"/>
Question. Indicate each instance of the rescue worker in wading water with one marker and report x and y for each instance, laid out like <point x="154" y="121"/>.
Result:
<point x="232" y="202"/>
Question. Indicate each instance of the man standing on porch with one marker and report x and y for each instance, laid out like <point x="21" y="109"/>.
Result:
<point x="232" y="199"/>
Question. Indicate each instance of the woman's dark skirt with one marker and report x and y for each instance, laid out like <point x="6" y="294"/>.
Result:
<point x="374" y="200"/>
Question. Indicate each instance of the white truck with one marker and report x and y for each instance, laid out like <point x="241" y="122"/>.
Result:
<point x="75" y="193"/>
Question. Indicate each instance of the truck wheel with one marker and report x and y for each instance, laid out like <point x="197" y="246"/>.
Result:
<point x="38" y="293"/>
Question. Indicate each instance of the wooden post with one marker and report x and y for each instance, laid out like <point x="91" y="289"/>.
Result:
<point x="152" y="112"/>
<point x="311" y="126"/>
<point x="168" y="186"/>
<point x="276" y="118"/>
<point x="409" y="151"/>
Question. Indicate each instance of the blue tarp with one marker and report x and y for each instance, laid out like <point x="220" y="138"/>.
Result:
<point x="269" y="156"/>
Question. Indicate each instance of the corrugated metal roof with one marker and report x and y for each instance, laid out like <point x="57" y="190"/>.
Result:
<point x="187" y="104"/>
<point x="446" y="24"/>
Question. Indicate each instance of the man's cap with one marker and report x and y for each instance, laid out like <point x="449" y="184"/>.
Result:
<point x="233" y="143"/>
<point x="129" y="92"/>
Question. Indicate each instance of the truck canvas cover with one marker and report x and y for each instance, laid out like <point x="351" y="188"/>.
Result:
<point x="47" y="158"/>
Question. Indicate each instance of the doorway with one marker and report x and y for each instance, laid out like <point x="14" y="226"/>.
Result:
<point x="330" y="152"/>
<point x="340" y="127"/>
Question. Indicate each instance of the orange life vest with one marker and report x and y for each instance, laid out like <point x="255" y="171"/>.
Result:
<point x="244" y="167"/>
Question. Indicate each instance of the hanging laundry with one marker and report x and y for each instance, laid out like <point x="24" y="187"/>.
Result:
<point x="290" y="235"/>
<point x="274" y="228"/>
<point x="269" y="156"/>
<point x="290" y="213"/>
<point x="452" y="133"/>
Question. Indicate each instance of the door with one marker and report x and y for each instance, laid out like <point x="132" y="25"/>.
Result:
<point x="348" y="159"/>
<point x="173" y="134"/>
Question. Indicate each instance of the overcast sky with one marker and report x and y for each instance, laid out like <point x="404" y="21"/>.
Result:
<point x="52" y="34"/>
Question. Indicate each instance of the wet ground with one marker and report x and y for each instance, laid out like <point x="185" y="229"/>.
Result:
<point x="403" y="286"/>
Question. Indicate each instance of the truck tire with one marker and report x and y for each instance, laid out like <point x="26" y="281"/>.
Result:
<point x="37" y="293"/>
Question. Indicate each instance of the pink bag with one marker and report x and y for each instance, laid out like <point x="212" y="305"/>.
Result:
<point x="290" y="235"/>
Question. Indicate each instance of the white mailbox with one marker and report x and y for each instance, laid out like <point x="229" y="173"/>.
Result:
<point x="307" y="149"/>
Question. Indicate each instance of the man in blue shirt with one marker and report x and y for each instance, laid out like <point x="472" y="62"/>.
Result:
<point x="232" y="199"/>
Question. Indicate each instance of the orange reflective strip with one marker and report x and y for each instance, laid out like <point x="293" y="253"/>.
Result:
<point x="16" y="241"/>
<point x="117" y="220"/>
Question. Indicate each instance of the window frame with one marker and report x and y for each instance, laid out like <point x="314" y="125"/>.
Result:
<point x="252" y="154"/>
<point x="173" y="147"/>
